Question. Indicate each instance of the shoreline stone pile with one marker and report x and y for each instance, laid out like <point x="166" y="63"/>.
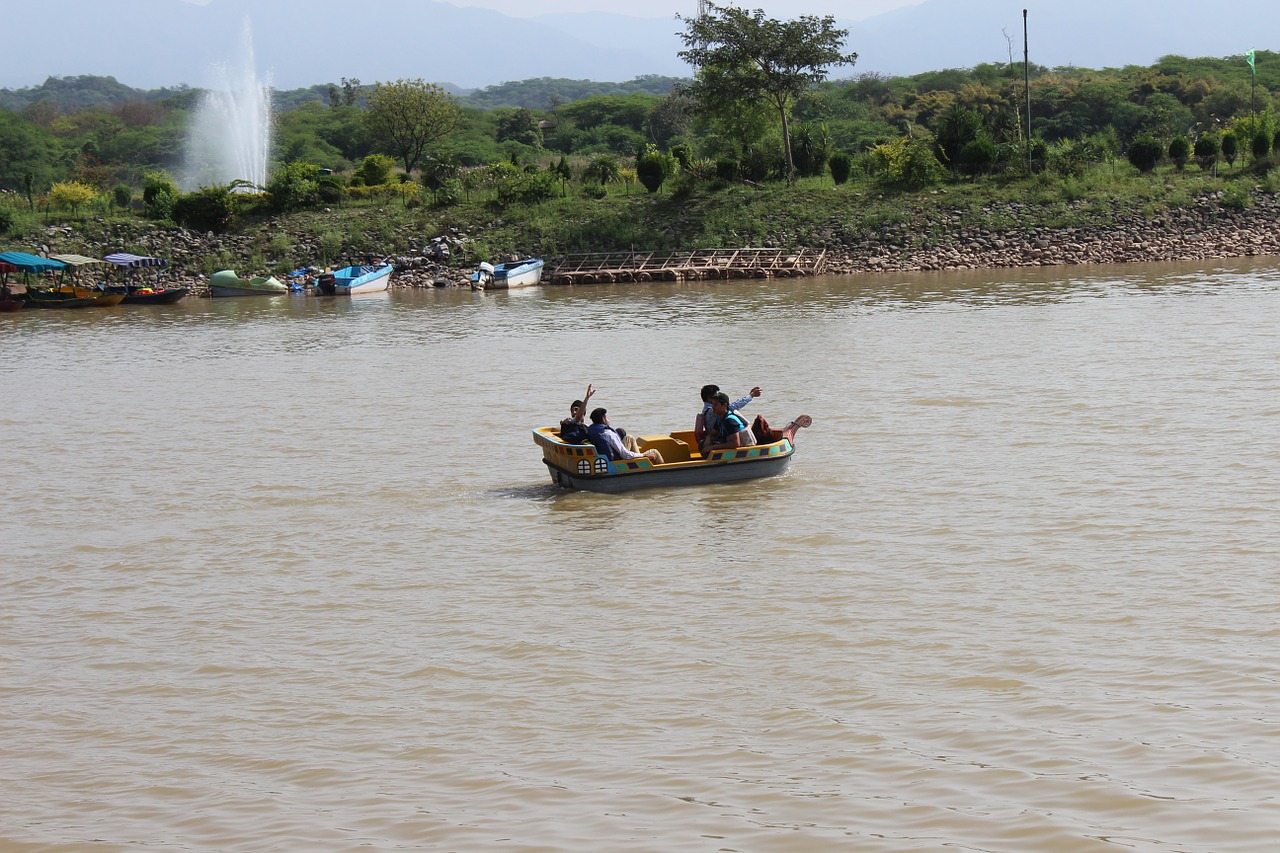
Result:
<point x="932" y="239"/>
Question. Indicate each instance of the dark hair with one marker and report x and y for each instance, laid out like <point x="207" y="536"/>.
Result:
<point x="597" y="415"/>
<point x="708" y="391"/>
<point x="577" y="404"/>
<point x="721" y="398"/>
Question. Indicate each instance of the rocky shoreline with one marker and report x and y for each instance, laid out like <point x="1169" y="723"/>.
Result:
<point x="936" y="238"/>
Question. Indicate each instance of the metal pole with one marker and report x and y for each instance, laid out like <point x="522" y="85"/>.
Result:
<point x="1026" y="82"/>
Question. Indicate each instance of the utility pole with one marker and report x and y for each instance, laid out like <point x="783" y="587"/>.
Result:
<point x="1026" y="83"/>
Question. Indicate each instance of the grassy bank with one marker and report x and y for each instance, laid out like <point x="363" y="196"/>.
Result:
<point x="816" y="213"/>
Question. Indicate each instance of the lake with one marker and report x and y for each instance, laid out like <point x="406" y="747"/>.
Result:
<point x="289" y="574"/>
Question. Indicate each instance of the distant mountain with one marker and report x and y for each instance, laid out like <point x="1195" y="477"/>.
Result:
<point x="156" y="43"/>
<point x="940" y="34"/>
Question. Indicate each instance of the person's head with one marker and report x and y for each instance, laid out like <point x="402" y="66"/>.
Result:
<point x="577" y="407"/>
<point x="720" y="403"/>
<point x="598" y="415"/>
<point x="709" y="391"/>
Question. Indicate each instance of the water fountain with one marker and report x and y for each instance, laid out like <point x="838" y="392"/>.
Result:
<point x="231" y="136"/>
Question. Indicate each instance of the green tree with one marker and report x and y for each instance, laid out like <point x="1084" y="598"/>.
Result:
<point x="759" y="59"/>
<point x="408" y="116"/>
<point x="1180" y="151"/>
<point x="72" y="194"/>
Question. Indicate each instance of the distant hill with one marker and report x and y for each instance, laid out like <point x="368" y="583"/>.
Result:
<point x="167" y="43"/>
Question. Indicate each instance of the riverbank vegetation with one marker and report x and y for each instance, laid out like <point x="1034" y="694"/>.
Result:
<point x="550" y="167"/>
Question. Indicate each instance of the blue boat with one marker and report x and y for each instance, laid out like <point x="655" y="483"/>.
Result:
<point x="522" y="273"/>
<point x="348" y="281"/>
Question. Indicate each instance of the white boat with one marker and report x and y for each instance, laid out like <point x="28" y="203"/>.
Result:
<point x="522" y="273"/>
<point x="348" y="281"/>
<point x="227" y="283"/>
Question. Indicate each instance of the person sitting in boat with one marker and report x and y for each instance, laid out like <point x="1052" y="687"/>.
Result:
<point x="573" y="429"/>
<point x="732" y="431"/>
<point x="705" y="425"/>
<point x="609" y="444"/>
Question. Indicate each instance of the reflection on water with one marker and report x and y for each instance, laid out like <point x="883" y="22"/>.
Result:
<point x="287" y="572"/>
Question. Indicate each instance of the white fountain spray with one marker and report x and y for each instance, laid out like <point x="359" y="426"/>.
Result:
<point x="231" y="136"/>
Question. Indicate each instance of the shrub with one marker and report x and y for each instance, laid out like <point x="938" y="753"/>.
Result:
<point x="7" y="220"/>
<point x="375" y="170"/>
<point x="293" y="186"/>
<point x="449" y="194"/>
<point x="1179" y="151"/>
<point x="841" y="167"/>
<point x="1230" y="147"/>
<point x="1144" y="153"/>
<point x="727" y="169"/>
<point x="1206" y="151"/>
<point x="978" y="156"/>
<point x="206" y="209"/>
<point x="653" y="167"/>
<point x="1261" y="144"/>
<point x="158" y="195"/>
<point x="907" y="162"/>
<point x="122" y="196"/>
<point x="1236" y="197"/>
<point x="72" y="194"/>
<point x="329" y="189"/>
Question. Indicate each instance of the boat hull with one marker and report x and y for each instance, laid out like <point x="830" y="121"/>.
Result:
<point x="226" y="283"/>
<point x="156" y="297"/>
<point x="353" y="281"/>
<point x="575" y="466"/>
<point x="526" y="273"/>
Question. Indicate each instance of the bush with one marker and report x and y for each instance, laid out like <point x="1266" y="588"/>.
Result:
<point x="206" y="209"/>
<point x="841" y="167"/>
<point x="907" y="162"/>
<point x="1144" y="153"/>
<point x="329" y="189"/>
<point x="375" y="170"/>
<point x="1261" y="144"/>
<point x="1179" y="151"/>
<point x="1236" y="197"/>
<point x="653" y="167"/>
<point x="122" y="196"/>
<point x="7" y="220"/>
<point x="293" y="186"/>
<point x="1206" y="151"/>
<point x="1230" y="147"/>
<point x="158" y="196"/>
<point x="978" y="156"/>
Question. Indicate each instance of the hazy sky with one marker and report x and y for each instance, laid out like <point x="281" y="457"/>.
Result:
<point x="845" y="10"/>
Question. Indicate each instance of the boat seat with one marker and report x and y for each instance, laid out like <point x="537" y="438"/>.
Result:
<point x="672" y="449"/>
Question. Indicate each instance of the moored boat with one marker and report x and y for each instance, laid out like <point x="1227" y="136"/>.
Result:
<point x="227" y="283"/>
<point x="8" y="302"/>
<point x="137" y="291"/>
<point x="522" y="273"/>
<point x="579" y="466"/>
<point x="349" y="281"/>
<point x="70" y="293"/>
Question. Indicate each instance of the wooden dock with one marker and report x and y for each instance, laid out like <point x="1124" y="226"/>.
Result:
<point x="614" y="267"/>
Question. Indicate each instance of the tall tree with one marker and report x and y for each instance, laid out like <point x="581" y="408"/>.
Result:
<point x="760" y="59"/>
<point x="407" y="116"/>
